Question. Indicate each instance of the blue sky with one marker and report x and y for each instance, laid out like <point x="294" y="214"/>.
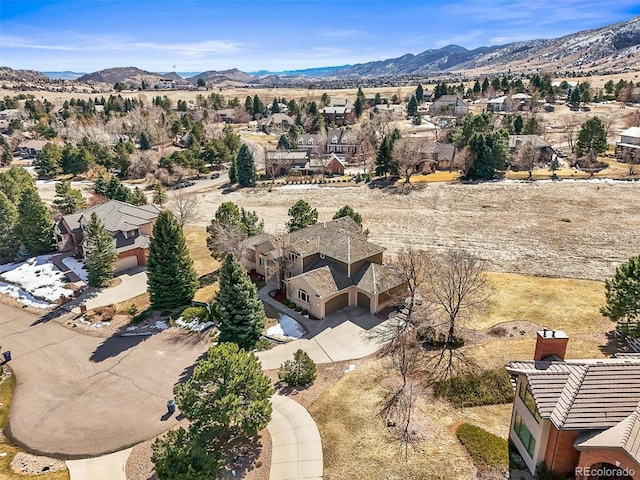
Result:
<point x="194" y="35"/>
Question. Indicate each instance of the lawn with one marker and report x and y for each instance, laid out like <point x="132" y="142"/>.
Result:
<point x="560" y="303"/>
<point x="203" y="262"/>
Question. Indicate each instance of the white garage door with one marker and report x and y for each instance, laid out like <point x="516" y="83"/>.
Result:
<point x="126" y="263"/>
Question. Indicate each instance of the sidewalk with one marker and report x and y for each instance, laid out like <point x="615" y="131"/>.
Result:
<point x="107" y="467"/>
<point x="296" y="444"/>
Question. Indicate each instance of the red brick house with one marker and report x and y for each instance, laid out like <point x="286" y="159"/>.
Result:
<point x="581" y="418"/>
<point x="130" y="226"/>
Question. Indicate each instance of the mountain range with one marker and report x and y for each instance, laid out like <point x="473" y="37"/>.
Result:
<point x="614" y="48"/>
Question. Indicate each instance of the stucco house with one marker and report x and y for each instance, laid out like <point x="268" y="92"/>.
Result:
<point x="544" y="148"/>
<point x="578" y="417"/>
<point x="629" y="143"/>
<point x="30" y="148"/>
<point x="276" y="123"/>
<point x="451" y="104"/>
<point x="326" y="267"/>
<point x="130" y="226"/>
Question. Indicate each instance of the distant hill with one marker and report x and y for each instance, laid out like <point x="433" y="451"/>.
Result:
<point x="11" y="75"/>
<point x="231" y="77"/>
<point x="66" y="75"/>
<point x="307" y="72"/>
<point x="131" y="76"/>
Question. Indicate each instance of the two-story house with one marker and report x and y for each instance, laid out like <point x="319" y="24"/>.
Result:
<point x="130" y="226"/>
<point x="326" y="267"/>
<point x="579" y="417"/>
<point x="629" y="144"/>
<point x="450" y="104"/>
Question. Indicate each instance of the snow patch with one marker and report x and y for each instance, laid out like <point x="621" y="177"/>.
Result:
<point x="76" y="267"/>
<point x="287" y="328"/>
<point x="302" y="186"/>
<point x="194" y="325"/>
<point x="37" y="277"/>
<point x="24" y="298"/>
<point x="160" y="325"/>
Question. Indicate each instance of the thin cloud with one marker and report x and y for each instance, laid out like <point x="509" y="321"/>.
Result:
<point x="340" y="33"/>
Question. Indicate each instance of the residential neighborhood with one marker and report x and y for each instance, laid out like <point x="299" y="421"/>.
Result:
<point x="416" y="268"/>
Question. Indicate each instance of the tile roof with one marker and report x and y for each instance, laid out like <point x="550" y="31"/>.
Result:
<point x="624" y="435"/>
<point x="116" y="216"/>
<point x="375" y="278"/>
<point x="583" y="394"/>
<point x="340" y="239"/>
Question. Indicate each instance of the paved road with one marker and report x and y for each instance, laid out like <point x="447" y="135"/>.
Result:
<point x="79" y="396"/>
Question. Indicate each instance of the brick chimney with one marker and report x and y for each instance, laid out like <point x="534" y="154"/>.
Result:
<point x="550" y="342"/>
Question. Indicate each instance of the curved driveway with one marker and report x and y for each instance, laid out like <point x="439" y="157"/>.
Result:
<point x="80" y="396"/>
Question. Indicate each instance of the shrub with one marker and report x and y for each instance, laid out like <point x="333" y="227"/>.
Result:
<point x="426" y="334"/>
<point x="485" y="449"/>
<point x="140" y="317"/>
<point x="263" y="344"/>
<point x="297" y="308"/>
<point x="498" y="331"/>
<point x="191" y="313"/>
<point x="304" y="311"/>
<point x="299" y="371"/>
<point x="490" y="387"/>
<point x="132" y="311"/>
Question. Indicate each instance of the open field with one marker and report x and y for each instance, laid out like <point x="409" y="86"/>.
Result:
<point x="575" y="229"/>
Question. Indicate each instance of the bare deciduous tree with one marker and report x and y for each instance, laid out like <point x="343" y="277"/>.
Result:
<point x="525" y="158"/>
<point x="185" y="207"/>
<point x="224" y="239"/>
<point x="457" y="289"/>
<point x="630" y="156"/>
<point x="571" y="126"/>
<point x="408" y="153"/>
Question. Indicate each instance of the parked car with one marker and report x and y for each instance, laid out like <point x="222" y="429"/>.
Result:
<point x="214" y="175"/>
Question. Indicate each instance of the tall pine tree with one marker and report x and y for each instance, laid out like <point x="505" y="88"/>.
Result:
<point x="172" y="281"/>
<point x="246" y="166"/>
<point x="238" y="308"/>
<point x="68" y="199"/>
<point x="99" y="252"/>
<point x="35" y="228"/>
<point x="8" y="221"/>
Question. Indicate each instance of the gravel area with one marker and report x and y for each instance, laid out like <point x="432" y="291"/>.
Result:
<point x="27" y="464"/>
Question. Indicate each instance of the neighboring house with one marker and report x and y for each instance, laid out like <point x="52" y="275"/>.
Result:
<point x="9" y="114"/>
<point x="545" y="150"/>
<point x="326" y="267"/>
<point x="451" y="104"/>
<point x="339" y="114"/>
<point x="130" y="226"/>
<point x="30" y="148"/>
<point x="340" y="140"/>
<point x="165" y="84"/>
<point x="439" y="156"/>
<point x="276" y="123"/>
<point x="301" y="162"/>
<point x="577" y="416"/>
<point x="635" y="95"/>
<point x="391" y="110"/>
<point x="629" y="143"/>
<point x="313" y="142"/>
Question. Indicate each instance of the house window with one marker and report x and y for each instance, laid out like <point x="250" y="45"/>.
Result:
<point x="261" y="261"/>
<point x="300" y="141"/>
<point x="293" y="256"/>
<point x="310" y="142"/>
<point x="528" y="441"/>
<point x="334" y="140"/>
<point x="304" y="296"/>
<point x="289" y="274"/>
<point x="527" y="398"/>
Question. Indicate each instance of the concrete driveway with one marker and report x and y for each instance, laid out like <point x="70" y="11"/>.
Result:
<point x="79" y="396"/>
<point x="343" y="335"/>
<point x="132" y="283"/>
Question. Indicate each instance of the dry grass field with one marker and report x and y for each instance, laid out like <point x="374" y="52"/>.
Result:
<point x="570" y="228"/>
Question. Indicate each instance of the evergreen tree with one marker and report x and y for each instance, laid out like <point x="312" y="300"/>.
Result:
<point x="275" y="108"/>
<point x="233" y="171"/>
<point x="159" y="194"/>
<point x="518" y="125"/>
<point x="68" y="200"/>
<point x="412" y="107"/>
<point x="172" y="280"/>
<point x="138" y="197"/>
<point x="258" y="107"/>
<point x="623" y="292"/>
<point x="531" y="127"/>
<point x="238" y="308"/>
<point x="100" y="186"/>
<point x="251" y="223"/>
<point x="358" y="107"/>
<point x="115" y="190"/>
<point x="47" y="161"/>
<point x="246" y="166"/>
<point x="35" y="228"/>
<point x="419" y="93"/>
<point x="145" y="142"/>
<point x="8" y="221"/>
<point x="22" y="255"/>
<point x="302" y="215"/>
<point x="485" y="85"/>
<point x="592" y="137"/>
<point x="476" y="87"/>
<point x="248" y="105"/>
<point x="14" y="181"/>
<point x="347" y="211"/>
<point x="182" y="455"/>
<point x="298" y="372"/>
<point x="313" y="108"/>
<point x="100" y="254"/>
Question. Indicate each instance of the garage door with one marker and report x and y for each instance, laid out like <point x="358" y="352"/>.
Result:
<point x="336" y="303"/>
<point x="364" y="301"/>
<point x="126" y="263"/>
